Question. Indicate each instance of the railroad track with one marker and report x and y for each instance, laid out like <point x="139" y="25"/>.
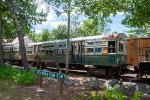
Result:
<point x="128" y="77"/>
<point x="72" y="71"/>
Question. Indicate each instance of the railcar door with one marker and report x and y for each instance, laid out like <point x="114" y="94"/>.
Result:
<point x="77" y="52"/>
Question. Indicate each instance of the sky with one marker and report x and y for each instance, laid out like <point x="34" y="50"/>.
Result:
<point x="53" y="21"/>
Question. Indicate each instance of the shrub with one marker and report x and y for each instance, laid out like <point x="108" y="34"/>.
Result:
<point x="20" y="76"/>
<point x="25" y="77"/>
<point x="94" y="96"/>
<point x="136" y="96"/>
<point x="114" y="94"/>
<point x="7" y="72"/>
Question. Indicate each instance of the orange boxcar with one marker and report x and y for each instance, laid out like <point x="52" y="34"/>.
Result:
<point x="138" y="54"/>
<point x="138" y="50"/>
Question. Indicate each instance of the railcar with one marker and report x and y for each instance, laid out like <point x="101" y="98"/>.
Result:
<point x="138" y="51"/>
<point x="107" y="53"/>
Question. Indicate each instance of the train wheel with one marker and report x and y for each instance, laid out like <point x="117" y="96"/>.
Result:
<point x="111" y="73"/>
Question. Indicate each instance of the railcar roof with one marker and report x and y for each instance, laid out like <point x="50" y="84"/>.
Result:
<point x="71" y="39"/>
<point x="37" y="43"/>
<point x="138" y="38"/>
<point x="87" y="38"/>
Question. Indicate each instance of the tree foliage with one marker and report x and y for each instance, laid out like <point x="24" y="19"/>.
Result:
<point x="45" y="35"/>
<point x="139" y="32"/>
<point x="60" y="32"/>
<point x="26" y="12"/>
<point x="137" y="12"/>
<point x="18" y="17"/>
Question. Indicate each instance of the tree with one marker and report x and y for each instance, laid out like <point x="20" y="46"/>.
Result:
<point x="32" y="36"/>
<point x="90" y="28"/>
<point x="20" y="33"/>
<point x="23" y="14"/>
<point x="136" y="12"/>
<point x="60" y="32"/>
<point x="45" y="35"/>
<point x="8" y="26"/>
<point x="1" y="32"/>
<point x="67" y="7"/>
<point x="132" y="35"/>
<point x="26" y="13"/>
<point x="139" y="32"/>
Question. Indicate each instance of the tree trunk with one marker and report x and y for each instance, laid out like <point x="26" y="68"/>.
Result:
<point x="67" y="46"/>
<point x="12" y="10"/>
<point x="1" y="37"/>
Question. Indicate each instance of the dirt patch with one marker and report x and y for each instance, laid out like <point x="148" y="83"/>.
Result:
<point x="9" y="90"/>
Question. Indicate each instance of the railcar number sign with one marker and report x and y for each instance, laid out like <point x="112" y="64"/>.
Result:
<point x="51" y="74"/>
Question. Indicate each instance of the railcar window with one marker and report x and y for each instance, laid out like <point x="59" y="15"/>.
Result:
<point x="51" y="46"/>
<point x="47" y="52"/>
<point x="29" y="52"/>
<point x="98" y="50"/>
<point x="60" y="45"/>
<point x="29" y="48"/>
<point x="64" y="51"/>
<point x="89" y="43"/>
<point x="101" y="43"/>
<point x="56" y="51"/>
<point x="45" y="47"/>
<point x="43" y="51"/>
<point x="90" y="50"/>
<point x="111" y="46"/>
<point x="121" y="46"/>
<point x="97" y="42"/>
<point x="6" y="49"/>
<point x="50" y="51"/>
<point x="15" y="48"/>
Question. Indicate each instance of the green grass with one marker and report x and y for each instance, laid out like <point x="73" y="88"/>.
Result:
<point x="7" y="72"/>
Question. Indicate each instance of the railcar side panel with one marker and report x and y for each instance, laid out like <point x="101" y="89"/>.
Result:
<point x="137" y="51"/>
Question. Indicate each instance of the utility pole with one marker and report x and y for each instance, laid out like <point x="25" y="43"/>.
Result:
<point x="68" y="34"/>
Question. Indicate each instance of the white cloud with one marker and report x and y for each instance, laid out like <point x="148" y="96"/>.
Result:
<point x="38" y="31"/>
<point x="73" y="13"/>
<point x="56" y="23"/>
<point x="52" y="20"/>
<point x="41" y="5"/>
<point x="118" y="13"/>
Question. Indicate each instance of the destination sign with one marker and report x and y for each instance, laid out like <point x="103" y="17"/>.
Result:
<point x="51" y="74"/>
